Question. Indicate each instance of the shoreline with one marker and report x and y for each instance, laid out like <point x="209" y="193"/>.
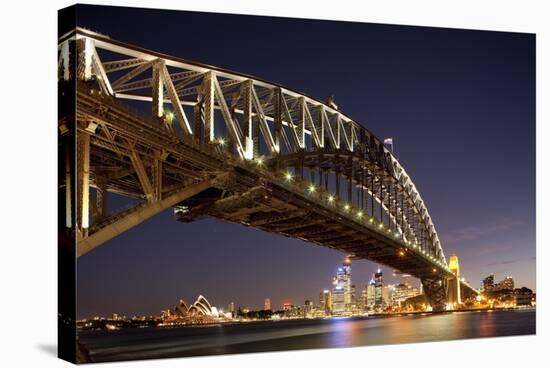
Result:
<point x="374" y="315"/>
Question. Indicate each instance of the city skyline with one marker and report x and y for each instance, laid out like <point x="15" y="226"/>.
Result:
<point x="382" y="294"/>
<point x="481" y="215"/>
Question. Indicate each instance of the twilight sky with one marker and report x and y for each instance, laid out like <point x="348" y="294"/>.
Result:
<point x="459" y="104"/>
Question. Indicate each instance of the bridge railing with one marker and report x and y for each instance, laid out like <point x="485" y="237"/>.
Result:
<point x="329" y="202"/>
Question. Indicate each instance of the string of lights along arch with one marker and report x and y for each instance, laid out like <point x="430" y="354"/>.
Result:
<point x="206" y="141"/>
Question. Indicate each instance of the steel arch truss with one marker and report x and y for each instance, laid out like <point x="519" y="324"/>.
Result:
<point x="255" y="120"/>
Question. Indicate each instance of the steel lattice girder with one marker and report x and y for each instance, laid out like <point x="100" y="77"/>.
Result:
<point x="301" y="122"/>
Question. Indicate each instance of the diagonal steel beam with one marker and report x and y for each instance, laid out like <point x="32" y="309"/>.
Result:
<point x="140" y="215"/>
<point x="132" y="74"/>
<point x="176" y="103"/>
<point x="142" y="175"/>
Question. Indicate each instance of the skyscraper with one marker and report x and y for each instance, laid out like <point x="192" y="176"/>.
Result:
<point x="371" y="294"/>
<point x="338" y="301"/>
<point x="364" y="298"/>
<point x="387" y="295"/>
<point x="325" y="302"/>
<point x="353" y="299"/>
<point x="454" y="283"/>
<point x="378" y="285"/>
<point x="342" y="288"/>
<point x="267" y="304"/>
<point x="489" y="283"/>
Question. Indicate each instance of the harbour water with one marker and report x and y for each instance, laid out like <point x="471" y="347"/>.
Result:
<point x="147" y="343"/>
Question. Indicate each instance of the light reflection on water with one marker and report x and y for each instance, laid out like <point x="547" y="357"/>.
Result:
<point x="303" y="334"/>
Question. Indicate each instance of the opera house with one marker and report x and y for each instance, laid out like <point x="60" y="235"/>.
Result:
<point x="199" y="312"/>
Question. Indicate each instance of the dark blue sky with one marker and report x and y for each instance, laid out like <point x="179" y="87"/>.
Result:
<point x="459" y="104"/>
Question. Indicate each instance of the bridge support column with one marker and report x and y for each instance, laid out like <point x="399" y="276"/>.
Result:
<point x="83" y="184"/>
<point x="435" y="290"/>
<point x="84" y="66"/>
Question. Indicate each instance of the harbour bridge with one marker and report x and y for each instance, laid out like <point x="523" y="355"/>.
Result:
<point x="234" y="147"/>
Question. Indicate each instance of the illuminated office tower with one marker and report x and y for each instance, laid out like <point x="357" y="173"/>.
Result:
<point x="308" y="308"/>
<point x="347" y="282"/>
<point x="338" y="301"/>
<point x="378" y="286"/>
<point x="507" y="283"/>
<point x="371" y="294"/>
<point x="363" y="299"/>
<point x="267" y="304"/>
<point x="401" y="293"/>
<point x="342" y="285"/>
<point x="454" y="283"/>
<point x="353" y="298"/>
<point x="325" y="302"/>
<point x="387" y="295"/>
<point x="488" y="283"/>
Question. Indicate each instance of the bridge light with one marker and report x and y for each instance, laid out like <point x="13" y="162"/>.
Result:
<point x="221" y="141"/>
<point x="359" y="214"/>
<point x="260" y="161"/>
<point x="311" y="188"/>
<point x="371" y="220"/>
<point x="346" y="207"/>
<point x="396" y="234"/>
<point x="170" y="116"/>
<point x="288" y="176"/>
<point x="401" y="253"/>
<point x="434" y="270"/>
<point x="381" y="225"/>
<point x="331" y="198"/>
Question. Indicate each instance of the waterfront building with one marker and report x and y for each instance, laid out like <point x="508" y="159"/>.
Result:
<point x="407" y="280"/>
<point x="387" y="295"/>
<point x="338" y="301"/>
<point x="353" y="298"/>
<point x="267" y="304"/>
<point x="199" y="311"/>
<point x="402" y="292"/>
<point x="231" y="307"/>
<point x="291" y="310"/>
<point x="325" y="302"/>
<point x="364" y="298"/>
<point x="308" y="308"/>
<point x="488" y="283"/>
<point x="506" y="284"/>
